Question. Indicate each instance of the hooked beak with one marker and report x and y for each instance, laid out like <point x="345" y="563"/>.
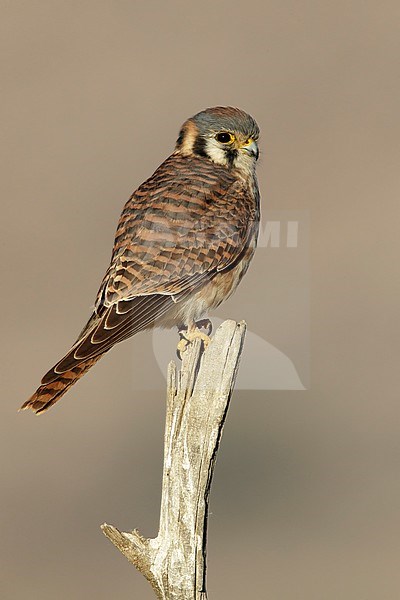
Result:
<point x="251" y="148"/>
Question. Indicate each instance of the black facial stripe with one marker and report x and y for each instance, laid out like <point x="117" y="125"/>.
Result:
<point x="231" y="155"/>
<point x="199" y="146"/>
<point x="179" y="141"/>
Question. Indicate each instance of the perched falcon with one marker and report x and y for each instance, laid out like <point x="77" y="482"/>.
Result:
<point x="184" y="240"/>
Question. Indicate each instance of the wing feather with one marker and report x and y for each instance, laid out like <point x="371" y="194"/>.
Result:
<point x="189" y="221"/>
<point x="197" y="225"/>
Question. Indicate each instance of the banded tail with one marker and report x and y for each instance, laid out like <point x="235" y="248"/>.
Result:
<point x="54" y="386"/>
<point x="115" y="324"/>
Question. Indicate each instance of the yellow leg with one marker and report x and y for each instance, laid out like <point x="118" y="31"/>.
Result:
<point x="193" y="333"/>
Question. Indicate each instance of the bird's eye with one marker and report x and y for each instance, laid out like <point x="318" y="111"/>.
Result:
<point x="224" y="137"/>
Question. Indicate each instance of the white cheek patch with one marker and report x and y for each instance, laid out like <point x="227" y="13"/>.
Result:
<point x="244" y="161"/>
<point x="215" y="152"/>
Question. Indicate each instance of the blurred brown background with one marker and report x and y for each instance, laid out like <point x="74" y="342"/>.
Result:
<point x="305" y="502"/>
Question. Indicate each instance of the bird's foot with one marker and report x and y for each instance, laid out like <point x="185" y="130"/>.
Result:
<point x="188" y="336"/>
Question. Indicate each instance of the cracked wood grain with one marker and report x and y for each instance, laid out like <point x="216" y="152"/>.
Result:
<point x="198" y="397"/>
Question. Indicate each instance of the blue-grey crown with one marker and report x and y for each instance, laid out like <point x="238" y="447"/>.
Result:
<point x="226" y="118"/>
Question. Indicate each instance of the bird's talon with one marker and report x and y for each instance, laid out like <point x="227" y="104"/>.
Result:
<point x="188" y="337"/>
<point x="181" y="347"/>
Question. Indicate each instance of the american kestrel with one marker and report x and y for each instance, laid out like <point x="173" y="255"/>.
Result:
<point x="184" y="241"/>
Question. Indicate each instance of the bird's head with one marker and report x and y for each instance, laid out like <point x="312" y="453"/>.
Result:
<point x="227" y="136"/>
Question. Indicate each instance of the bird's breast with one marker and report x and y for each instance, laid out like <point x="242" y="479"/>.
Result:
<point x="212" y="293"/>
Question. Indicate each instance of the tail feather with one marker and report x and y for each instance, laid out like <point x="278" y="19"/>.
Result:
<point x="48" y="394"/>
<point x="115" y="323"/>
